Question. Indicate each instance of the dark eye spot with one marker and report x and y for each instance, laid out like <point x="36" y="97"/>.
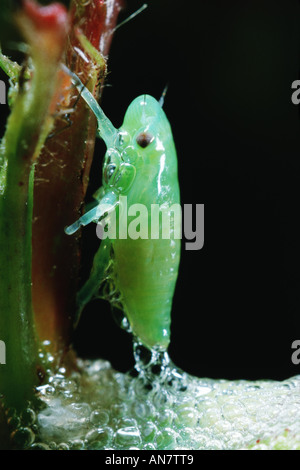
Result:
<point x="144" y="139"/>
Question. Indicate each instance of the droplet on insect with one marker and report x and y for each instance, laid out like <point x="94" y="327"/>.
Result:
<point x="109" y="170"/>
<point x="112" y="156"/>
<point x="120" y="318"/>
<point x="122" y="139"/>
<point x="125" y="325"/>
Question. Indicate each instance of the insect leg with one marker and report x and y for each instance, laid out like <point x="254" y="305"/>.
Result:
<point x="90" y="288"/>
<point x="105" y="128"/>
<point x="106" y="204"/>
<point x="65" y="118"/>
<point x="97" y="196"/>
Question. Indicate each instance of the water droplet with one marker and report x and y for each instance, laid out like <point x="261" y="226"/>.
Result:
<point x="119" y="316"/>
<point x="125" y="325"/>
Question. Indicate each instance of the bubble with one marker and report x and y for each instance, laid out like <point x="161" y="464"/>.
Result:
<point x="99" y="418"/>
<point x="125" y="325"/>
<point x="187" y="417"/>
<point x="39" y="446"/>
<point x="159" y="407"/>
<point x="166" y="439"/>
<point x="142" y="386"/>
<point x="149" y="446"/>
<point x="82" y="410"/>
<point x="63" y="446"/>
<point x="22" y="437"/>
<point x="142" y="356"/>
<point x="91" y="436"/>
<point x="128" y="436"/>
<point x="127" y="422"/>
<point x="234" y="439"/>
<point x="166" y="417"/>
<point x="77" y="444"/>
<point x="118" y="314"/>
<point x="162" y="399"/>
<point x="143" y="410"/>
<point x="149" y="431"/>
<point x="214" y="444"/>
<point x="13" y="422"/>
<point x="98" y="438"/>
<point x="119" y="409"/>
<point x="177" y="380"/>
<point x="46" y="390"/>
<point x="28" y="417"/>
<point x="52" y="445"/>
<point x="187" y="437"/>
<point x="10" y="412"/>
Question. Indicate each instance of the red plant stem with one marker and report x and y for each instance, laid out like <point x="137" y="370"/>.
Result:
<point x="61" y="179"/>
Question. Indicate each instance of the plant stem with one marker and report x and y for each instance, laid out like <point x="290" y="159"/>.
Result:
<point x="19" y="375"/>
<point x="28" y="125"/>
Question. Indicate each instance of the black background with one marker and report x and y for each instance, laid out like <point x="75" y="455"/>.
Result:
<point x="229" y="66"/>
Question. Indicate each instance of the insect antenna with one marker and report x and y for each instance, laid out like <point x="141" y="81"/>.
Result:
<point x="106" y="130"/>
<point x="130" y="17"/>
<point x="163" y="95"/>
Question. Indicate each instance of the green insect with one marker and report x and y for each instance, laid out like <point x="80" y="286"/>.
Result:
<point x="141" y="164"/>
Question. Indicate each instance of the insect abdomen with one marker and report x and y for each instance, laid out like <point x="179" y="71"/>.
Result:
<point x="146" y="277"/>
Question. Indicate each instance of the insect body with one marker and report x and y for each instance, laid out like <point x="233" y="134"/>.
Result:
<point x="141" y="164"/>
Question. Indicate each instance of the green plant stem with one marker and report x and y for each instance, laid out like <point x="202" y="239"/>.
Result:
<point x="23" y="138"/>
<point x="19" y="375"/>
